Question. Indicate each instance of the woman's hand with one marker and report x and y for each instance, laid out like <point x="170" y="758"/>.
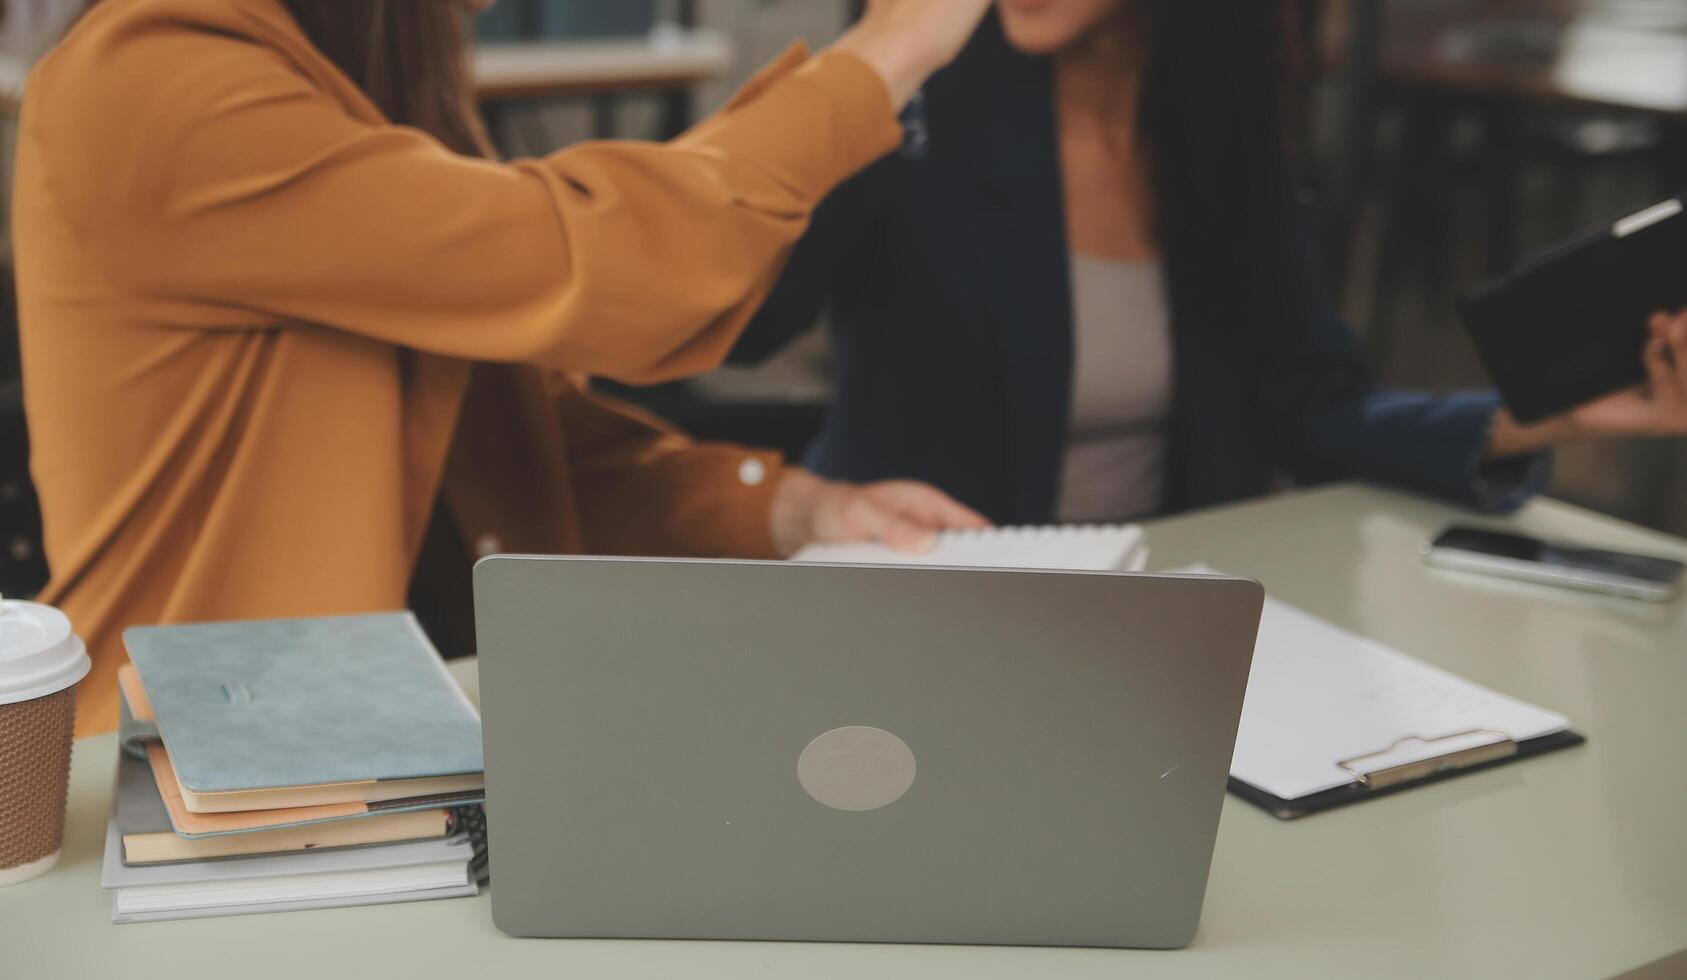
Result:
<point x="905" y="41"/>
<point x="1656" y="408"/>
<point x="899" y="513"/>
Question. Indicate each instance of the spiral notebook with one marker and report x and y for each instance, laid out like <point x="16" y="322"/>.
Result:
<point x="1079" y="548"/>
<point x="380" y="875"/>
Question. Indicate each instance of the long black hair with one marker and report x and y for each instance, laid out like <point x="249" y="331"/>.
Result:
<point x="1220" y="117"/>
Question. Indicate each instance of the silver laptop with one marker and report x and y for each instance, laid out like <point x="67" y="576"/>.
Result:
<point x="758" y="750"/>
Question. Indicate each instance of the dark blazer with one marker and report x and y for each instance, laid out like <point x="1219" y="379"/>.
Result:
<point x="945" y="272"/>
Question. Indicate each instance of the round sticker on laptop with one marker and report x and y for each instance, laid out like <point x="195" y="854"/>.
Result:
<point x="856" y="768"/>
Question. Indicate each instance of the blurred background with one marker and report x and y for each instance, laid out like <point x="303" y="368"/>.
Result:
<point x="1452" y="138"/>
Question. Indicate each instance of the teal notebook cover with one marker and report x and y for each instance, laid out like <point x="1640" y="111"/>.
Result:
<point x="299" y="702"/>
<point x="140" y="810"/>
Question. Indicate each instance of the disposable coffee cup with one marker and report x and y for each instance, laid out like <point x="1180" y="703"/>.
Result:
<point x="41" y="661"/>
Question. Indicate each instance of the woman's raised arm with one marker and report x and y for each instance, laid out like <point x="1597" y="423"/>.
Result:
<point x="222" y="186"/>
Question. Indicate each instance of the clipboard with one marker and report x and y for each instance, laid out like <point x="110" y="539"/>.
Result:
<point x="1332" y="717"/>
<point x="1371" y="784"/>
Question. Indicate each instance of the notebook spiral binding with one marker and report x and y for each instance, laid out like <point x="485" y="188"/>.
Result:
<point x="471" y="820"/>
<point x="1034" y="531"/>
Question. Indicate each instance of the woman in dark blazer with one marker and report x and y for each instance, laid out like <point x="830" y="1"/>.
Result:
<point x="1152" y="135"/>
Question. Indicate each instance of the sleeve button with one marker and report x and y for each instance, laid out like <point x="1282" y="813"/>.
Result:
<point x="752" y="472"/>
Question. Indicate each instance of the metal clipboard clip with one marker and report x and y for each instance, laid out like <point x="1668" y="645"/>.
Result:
<point x="1503" y="747"/>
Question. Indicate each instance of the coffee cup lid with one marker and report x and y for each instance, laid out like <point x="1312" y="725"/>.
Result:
<point x="39" y="653"/>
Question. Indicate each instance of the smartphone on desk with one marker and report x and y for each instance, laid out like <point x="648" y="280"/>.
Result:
<point x="1516" y="556"/>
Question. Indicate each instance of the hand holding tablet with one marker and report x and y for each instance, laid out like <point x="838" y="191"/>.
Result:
<point x="1594" y="330"/>
<point x="1659" y="406"/>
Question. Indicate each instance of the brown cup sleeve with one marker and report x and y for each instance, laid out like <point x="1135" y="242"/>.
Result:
<point x="35" y="740"/>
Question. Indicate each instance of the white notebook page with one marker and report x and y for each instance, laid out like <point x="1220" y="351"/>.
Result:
<point x="1074" y="548"/>
<point x="1319" y="695"/>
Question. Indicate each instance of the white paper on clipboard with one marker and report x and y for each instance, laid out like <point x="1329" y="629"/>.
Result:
<point x="1319" y="695"/>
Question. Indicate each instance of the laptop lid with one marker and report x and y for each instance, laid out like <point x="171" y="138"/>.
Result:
<point x="747" y="750"/>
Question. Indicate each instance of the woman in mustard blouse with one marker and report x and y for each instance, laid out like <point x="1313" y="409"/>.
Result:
<point x="281" y="313"/>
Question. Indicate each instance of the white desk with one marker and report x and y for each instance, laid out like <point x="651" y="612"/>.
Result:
<point x="1572" y="865"/>
<point x="517" y="70"/>
<point x="669" y="57"/>
<point x="669" y="61"/>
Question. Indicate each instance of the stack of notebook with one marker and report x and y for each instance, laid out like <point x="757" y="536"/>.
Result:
<point x="291" y="764"/>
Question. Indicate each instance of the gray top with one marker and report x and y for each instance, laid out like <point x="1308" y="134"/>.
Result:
<point x="1570" y="865"/>
<point x="1121" y="392"/>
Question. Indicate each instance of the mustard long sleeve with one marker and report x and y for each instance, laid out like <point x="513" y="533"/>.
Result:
<point x="233" y="191"/>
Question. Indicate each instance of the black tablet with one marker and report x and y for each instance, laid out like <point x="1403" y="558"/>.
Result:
<point x="1570" y="325"/>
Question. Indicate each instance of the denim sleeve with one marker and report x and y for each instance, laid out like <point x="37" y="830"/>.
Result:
<point x="1330" y="422"/>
